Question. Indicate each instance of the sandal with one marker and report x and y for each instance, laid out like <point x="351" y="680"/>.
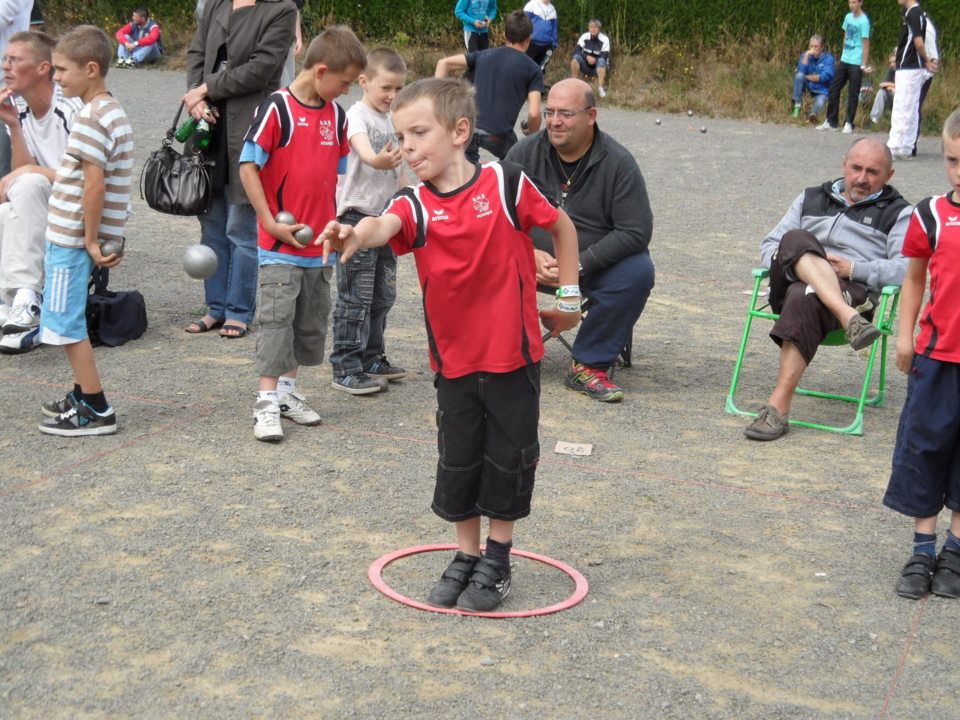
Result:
<point x="233" y="331"/>
<point x="199" y="326"/>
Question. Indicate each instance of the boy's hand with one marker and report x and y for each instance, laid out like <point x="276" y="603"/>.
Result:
<point x="557" y="321"/>
<point x="388" y="158"/>
<point x="109" y="261"/>
<point x="284" y="233"/>
<point x="904" y="353"/>
<point x="339" y="238"/>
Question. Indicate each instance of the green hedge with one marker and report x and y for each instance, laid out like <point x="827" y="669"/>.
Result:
<point x="632" y="24"/>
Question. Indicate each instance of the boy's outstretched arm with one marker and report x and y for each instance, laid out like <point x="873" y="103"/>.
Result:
<point x="911" y="296"/>
<point x="567" y="251"/>
<point x="94" y="192"/>
<point x="347" y="239"/>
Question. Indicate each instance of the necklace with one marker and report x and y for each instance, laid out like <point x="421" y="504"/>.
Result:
<point x="568" y="179"/>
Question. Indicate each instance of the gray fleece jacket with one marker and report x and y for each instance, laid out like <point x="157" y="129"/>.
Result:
<point x="607" y="202"/>
<point x="870" y="232"/>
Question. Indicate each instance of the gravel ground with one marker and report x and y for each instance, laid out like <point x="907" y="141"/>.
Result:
<point x="180" y="569"/>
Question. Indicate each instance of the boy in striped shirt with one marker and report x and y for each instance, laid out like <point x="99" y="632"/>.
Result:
<point x="88" y="205"/>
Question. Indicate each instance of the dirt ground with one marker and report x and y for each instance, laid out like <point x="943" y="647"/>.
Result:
<point x="179" y="569"/>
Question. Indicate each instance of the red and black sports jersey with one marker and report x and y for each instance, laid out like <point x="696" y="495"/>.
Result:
<point x="305" y="144"/>
<point x="476" y="268"/>
<point x="934" y="232"/>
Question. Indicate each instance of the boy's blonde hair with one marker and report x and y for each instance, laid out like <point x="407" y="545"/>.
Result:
<point x="338" y="48"/>
<point x="951" y="127"/>
<point x="41" y="45"/>
<point x="384" y="60"/>
<point x="85" y="44"/>
<point x="452" y="99"/>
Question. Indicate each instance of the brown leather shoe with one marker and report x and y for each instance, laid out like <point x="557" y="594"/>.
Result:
<point x="768" y="425"/>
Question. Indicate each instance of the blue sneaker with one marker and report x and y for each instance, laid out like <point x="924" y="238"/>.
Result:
<point x="81" y="420"/>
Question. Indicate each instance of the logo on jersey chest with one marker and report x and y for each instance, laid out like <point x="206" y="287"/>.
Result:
<point x="482" y="206"/>
<point x="440" y="214"/>
<point x="302" y="121"/>
<point x="326" y="132"/>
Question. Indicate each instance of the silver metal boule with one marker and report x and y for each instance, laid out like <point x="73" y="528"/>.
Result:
<point x="286" y="217"/>
<point x="199" y="262"/>
<point x="111" y="247"/>
<point x="304" y="235"/>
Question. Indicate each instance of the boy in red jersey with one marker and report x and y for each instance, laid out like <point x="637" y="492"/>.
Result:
<point x="926" y="460"/>
<point x="466" y="226"/>
<point x="289" y="162"/>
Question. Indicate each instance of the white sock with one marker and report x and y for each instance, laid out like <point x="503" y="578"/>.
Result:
<point x="287" y="384"/>
<point x="272" y="395"/>
<point x="25" y="296"/>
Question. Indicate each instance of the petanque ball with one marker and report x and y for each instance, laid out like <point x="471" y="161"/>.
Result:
<point x="690" y="113"/>
<point x="111" y="247"/>
<point x="703" y="129"/>
<point x="286" y="217"/>
<point x="659" y="121"/>
<point x="304" y="235"/>
<point x="199" y="262"/>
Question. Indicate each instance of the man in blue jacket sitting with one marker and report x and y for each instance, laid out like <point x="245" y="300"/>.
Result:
<point x="814" y="73"/>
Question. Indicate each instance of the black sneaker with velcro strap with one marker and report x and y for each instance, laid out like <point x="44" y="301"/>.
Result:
<point x="946" y="578"/>
<point x="914" y="580"/>
<point x="488" y="586"/>
<point x="453" y="581"/>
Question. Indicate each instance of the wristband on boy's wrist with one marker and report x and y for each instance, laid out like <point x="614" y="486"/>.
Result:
<point x="570" y="306"/>
<point x="850" y="274"/>
<point x="568" y="291"/>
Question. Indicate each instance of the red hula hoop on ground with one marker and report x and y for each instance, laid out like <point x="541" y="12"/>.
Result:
<point x="375" y="573"/>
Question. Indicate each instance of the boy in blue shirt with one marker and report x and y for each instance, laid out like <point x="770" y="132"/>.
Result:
<point x="853" y="63"/>
<point x="476" y="16"/>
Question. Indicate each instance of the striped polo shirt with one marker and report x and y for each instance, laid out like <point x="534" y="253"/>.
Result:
<point x="102" y="136"/>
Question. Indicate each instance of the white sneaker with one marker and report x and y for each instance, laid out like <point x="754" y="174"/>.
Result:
<point x="826" y="126"/>
<point x="4" y="313"/>
<point x="22" y="317"/>
<point x="294" y="406"/>
<point x="603" y="93"/>
<point x="847" y="128"/>
<point x="15" y="343"/>
<point x="266" y="421"/>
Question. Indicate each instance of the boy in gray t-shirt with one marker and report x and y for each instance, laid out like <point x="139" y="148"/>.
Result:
<point x="367" y="283"/>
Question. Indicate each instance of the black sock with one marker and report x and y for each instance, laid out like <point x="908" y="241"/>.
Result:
<point x="77" y="392"/>
<point x="96" y="400"/>
<point x="499" y="553"/>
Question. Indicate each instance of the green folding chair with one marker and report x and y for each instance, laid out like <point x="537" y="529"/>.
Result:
<point x="883" y="318"/>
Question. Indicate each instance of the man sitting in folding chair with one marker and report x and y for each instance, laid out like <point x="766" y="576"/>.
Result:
<point x="836" y="247"/>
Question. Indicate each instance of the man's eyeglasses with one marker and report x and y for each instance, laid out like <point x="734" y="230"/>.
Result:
<point x="563" y="114"/>
<point x="12" y="60"/>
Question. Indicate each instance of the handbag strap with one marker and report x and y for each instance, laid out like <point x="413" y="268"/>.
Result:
<point x="176" y="120"/>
